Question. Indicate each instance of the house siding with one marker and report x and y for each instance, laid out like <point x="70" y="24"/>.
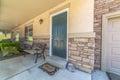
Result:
<point x="81" y="52"/>
<point x="102" y="7"/>
<point x="80" y="20"/>
<point x="80" y="12"/>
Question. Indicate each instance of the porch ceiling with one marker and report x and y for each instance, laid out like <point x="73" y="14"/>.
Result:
<point x="16" y="12"/>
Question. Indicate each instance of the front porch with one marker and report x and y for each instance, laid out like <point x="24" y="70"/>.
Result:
<point x="81" y="32"/>
<point x="23" y="68"/>
<point x="65" y="34"/>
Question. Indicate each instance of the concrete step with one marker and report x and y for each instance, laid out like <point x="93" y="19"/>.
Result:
<point x="56" y="61"/>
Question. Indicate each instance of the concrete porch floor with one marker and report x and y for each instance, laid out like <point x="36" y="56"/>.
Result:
<point x="24" y="68"/>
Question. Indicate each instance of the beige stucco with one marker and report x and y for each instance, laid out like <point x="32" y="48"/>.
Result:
<point x="80" y="18"/>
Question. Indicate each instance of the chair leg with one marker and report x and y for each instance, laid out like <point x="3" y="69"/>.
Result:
<point x="36" y="58"/>
<point x="44" y="57"/>
<point x="24" y="55"/>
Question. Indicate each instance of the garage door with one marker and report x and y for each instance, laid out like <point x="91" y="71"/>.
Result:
<point x="113" y="46"/>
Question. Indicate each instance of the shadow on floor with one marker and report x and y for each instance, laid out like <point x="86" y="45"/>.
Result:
<point x="22" y="53"/>
<point x="113" y="76"/>
<point x="99" y="75"/>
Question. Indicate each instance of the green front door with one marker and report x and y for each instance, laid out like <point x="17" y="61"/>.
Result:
<point x="59" y="35"/>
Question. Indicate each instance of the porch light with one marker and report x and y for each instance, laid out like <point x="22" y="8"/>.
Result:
<point x="41" y="21"/>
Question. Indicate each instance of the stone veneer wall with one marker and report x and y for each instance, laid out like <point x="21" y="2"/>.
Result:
<point x="102" y="7"/>
<point x="42" y="39"/>
<point x="81" y="52"/>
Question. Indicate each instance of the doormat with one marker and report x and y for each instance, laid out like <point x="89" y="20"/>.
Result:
<point x="50" y="69"/>
<point x="113" y="76"/>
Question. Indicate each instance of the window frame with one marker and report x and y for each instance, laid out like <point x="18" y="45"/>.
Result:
<point x="28" y="29"/>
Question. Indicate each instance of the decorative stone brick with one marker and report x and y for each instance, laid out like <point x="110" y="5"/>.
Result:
<point x="73" y="45"/>
<point x="74" y="53"/>
<point x="91" y="57"/>
<point x="81" y="44"/>
<point x="83" y="40"/>
<point x="91" y="44"/>
<point x="76" y="58"/>
<point x="86" y="66"/>
<point x="79" y="64"/>
<point x="92" y="62"/>
<point x="83" y="55"/>
<point x="82" y="52"/>
<point x="86" y="60"/>
<point x="43" y="40"/>
<point x="72" y="48"/>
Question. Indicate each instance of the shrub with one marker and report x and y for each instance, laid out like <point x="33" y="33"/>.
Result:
<point x="9" y="48"/>
<point x="9" y="51"/>
<point x="5" y="41"/>
<point x="7" y="44"/>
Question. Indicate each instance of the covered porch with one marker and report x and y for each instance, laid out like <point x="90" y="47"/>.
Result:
<point x="23" y="68"/>
<point x="61" y="25"/>
<point x="65" y="26"/>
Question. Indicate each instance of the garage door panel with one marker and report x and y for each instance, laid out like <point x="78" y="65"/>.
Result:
<point x="114" y="37"/>
<point x="115" y="58"/>
<point x="113" y="46"/>
<point x="114" y="26"/>
<point x="115" y="51"/>
<point x="115" y="64"/>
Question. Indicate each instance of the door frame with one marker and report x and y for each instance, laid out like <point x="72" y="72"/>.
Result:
<point x="51" y="16"/>
<point x="105" y="19"/>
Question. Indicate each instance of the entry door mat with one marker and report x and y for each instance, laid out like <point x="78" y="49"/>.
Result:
<point x="50" y="69"/>
<point x="113" y="76"/>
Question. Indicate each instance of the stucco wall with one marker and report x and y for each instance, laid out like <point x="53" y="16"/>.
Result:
<point x="80" y="29"/>
<point x="80" y="18"/>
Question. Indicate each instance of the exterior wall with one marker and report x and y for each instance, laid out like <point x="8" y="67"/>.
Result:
<point x="102" y="7"/>
<point x="80" y="13"/>
<point x="80" y="28"/>
<point x="81" y="52"/>
<point x="43" y="39"/>
<point x="80" y="49"/>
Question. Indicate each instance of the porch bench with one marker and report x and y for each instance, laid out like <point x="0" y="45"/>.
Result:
<point x="31" y="51"/>
<point x="37" y="49"/>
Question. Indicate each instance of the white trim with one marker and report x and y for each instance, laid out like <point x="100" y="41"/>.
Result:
<point x="105" y="19"/>
<point x="60" y="12"/>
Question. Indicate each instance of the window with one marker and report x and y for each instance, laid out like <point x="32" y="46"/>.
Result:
<point x="17" y="36"/>
<point x="29" y="33"/>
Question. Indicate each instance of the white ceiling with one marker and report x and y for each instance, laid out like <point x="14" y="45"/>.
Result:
<point x="16" y="12"/>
